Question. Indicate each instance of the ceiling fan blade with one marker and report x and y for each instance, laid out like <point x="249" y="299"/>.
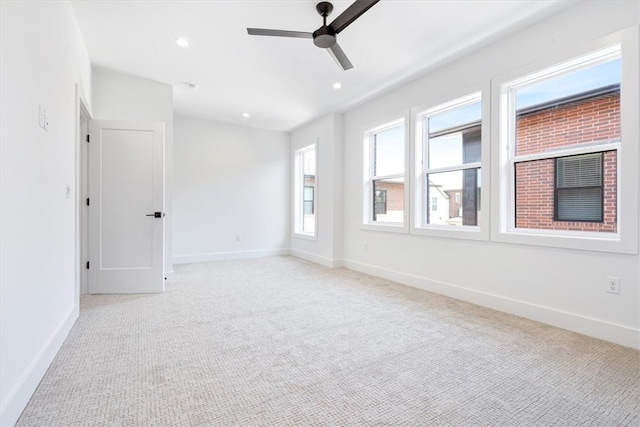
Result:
<point x="338" y="54"/>
<point x="279" y="33"/>
<point x="352" y="13"/>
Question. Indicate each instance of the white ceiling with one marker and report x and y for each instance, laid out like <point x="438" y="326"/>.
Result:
<point x="284" y="82"/>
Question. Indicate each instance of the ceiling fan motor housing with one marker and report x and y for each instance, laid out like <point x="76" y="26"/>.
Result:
<point x="324" y="37"/>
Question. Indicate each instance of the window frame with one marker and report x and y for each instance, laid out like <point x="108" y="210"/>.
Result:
<point x="624" y="43"/>
<point x="476" y="93"/>
<point x="368" y="198"/>
<point x="299" y="194"/>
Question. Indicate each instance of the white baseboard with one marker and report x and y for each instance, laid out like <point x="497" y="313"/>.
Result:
<point x="327" y="262"/>
<point x="219" y="256"/>
<point x="19" y="396"/>
<point x="596" y="328"/>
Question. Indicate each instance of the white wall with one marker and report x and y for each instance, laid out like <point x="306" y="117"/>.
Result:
<point x="556" y="286"/>
<point x="229" y="180"/>
<point x="119" y="96"/>
<point x="42" y="57"/>
<point x="326" y="133"/>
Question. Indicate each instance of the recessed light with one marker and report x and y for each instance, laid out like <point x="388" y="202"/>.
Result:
<point x="182" y="42"/>
<point x="337" y="85"/>
<point x="246" y="115"/>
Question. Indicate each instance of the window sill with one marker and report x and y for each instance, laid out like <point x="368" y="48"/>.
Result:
<point x="588" y="241"/>
<point x="386" y="227"/>
<point x="304" y="236"/>
<point x="452" y="232"/>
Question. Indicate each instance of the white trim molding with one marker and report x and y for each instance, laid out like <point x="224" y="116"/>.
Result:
<point x="220" y="256"/>
<point x="19" y="396"/>
<point x="327" y="262"/>
<point x="597" y="328"/>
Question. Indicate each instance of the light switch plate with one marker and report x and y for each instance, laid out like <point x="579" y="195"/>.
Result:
<point x="41" y="116"/>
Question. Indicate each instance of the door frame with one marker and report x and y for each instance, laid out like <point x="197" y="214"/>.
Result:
<point x="83" y="116"/>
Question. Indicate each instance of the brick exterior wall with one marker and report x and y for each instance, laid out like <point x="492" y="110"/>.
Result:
<point x="454" y="207"/>
<point x="395" y="195"/>
<point x="594" y="119"/>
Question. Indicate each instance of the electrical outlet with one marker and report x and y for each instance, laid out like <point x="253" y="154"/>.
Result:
<point x="366" y="246"/>
<point x="237" y="237"/>
<point x="613" y="285"/>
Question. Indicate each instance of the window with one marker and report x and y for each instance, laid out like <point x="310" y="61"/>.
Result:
<point x="385" y="176"/>
<point x="565" y="139"/>
<point x="449" y="155"/>
<point x="305" y="182"/>
<point x="578" y="188"/>
<point x="381" y="202"/>
<point x="566" y="154"/>
<point x="308" y="197"/>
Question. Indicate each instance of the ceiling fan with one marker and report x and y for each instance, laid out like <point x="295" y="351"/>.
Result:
<point x="325" y="36"/>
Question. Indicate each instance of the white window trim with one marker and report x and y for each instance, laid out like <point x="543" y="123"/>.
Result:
<point x="453" y="100"/>
<point x="625" y="240"/>
<point x="298" y="184"/>
<point x="367" y="187"/>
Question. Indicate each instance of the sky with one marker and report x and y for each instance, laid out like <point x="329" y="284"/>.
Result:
<point x="456" y="117"/>
<point x="567" y="84"/>
<point x="390" y="151"/>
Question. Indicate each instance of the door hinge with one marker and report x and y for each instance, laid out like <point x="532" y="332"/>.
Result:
<point x="88" y="138"/>
<point x="87" y="265"/>
<point x="88" y="203"/>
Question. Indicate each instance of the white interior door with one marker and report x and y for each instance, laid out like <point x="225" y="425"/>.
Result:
<point x="126" y="192"/>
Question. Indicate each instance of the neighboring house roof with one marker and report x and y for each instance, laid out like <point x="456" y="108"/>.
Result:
<point x="438" y="187"/>
<point x="582" y="96"/>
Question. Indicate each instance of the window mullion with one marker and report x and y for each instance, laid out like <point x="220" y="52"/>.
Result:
<point x="570" y="151"/>
<point x="475" y="165"/>
<point x="392" y="176"/>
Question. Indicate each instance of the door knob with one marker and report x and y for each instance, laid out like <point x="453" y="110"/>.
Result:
<point x="157" y="215"/>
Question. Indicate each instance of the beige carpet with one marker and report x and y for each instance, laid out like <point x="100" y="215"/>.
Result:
<point x="283" y="342"/>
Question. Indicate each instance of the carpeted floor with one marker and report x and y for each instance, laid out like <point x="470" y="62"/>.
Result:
<point x="284" y="342"/>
